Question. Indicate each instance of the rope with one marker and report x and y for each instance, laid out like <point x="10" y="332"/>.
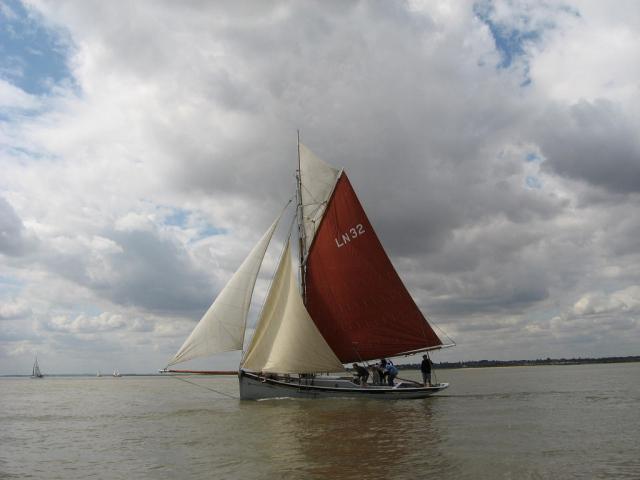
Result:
<point x="206" y="388"/>
<point x="441" y="329"/>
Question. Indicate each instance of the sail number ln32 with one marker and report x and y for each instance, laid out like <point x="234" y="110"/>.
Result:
<point x="351" y="234"/>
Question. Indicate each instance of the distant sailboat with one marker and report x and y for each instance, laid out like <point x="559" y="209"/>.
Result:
<point x="36" y="373"/>
<point x="350" y="306"/>
<point x="98" y="374"/>
<point x="116" y="373"/>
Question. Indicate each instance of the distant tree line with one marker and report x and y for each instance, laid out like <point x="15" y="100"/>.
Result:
<point x="520" y="363"/>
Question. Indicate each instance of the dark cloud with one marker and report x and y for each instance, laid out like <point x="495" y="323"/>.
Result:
<point x="14" y="240"/>
<point x="155" y="273"/>
<point x="592" y="141"/>
<point x="145" y="269"/>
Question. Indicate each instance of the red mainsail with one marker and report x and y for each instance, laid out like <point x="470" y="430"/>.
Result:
<point x="353" y="293"/>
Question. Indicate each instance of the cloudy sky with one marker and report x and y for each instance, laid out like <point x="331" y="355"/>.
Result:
<point x="145" y="146"/>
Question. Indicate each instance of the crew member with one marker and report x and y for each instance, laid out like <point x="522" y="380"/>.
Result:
<point x="362" y="375"/>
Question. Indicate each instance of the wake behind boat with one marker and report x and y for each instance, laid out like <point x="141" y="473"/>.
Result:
<point x="350" y="305"/>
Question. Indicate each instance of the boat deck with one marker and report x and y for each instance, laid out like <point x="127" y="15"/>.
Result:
<point x="254" y="387"/>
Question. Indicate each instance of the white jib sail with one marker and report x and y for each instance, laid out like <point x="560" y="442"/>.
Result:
<point x="317" y="180"/>
<point x="286" y="339"/>
<point x="222" y="328"/>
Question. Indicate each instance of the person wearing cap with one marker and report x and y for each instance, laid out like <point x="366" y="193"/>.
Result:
<point x="425" y="368"/>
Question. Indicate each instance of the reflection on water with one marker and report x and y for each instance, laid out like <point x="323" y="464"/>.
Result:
<point x="499" y="423"/>
<point x="340" y="438"/>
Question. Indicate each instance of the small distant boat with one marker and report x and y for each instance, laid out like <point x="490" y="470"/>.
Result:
<point x="36" y="373"/>
<point x="98" y="374"/>
<point x="116" y="373"/>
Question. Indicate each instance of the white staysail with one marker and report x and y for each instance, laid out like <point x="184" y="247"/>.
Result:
<point x="286" y="339"/>
<point x="317" y="180"/>
<point x="222" y="328"/>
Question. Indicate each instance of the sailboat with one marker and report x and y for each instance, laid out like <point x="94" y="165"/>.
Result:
<point x="116" y="373"/>
<point x="36" y="373"/>
<point x="343" y="302"/>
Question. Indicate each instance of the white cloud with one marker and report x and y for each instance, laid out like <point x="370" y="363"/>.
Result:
<point x="12" y="97"/>
<point x="13" y="309"/>
<point x="104" y="322"/>
<point x="181" y="123"/>
<point x="133" y="221"/>
<point x="620" y="302"/>
<point x="591" y="55"/>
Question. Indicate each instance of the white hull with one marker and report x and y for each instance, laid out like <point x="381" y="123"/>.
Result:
<point x="256" y="387"/>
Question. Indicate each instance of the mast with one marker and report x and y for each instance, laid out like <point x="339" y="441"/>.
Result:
<point x="301" y="232"/>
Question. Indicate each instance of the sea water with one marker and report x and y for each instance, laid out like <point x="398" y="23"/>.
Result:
<point x="559" y="422"/>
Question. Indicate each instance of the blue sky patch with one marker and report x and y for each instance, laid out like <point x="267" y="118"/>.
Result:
<point x="533" y="182"/>
<point x="180" y="218"/>
<point x="509" y="41"/>
<point x="33" y="56"/>
<point x="512" y="37"/>
<point x="533" y="158"/>
<point x="210" y="231"/>
<point x="519" y="29"/>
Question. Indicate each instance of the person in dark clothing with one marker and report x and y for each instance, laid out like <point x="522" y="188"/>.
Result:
<point x="362" y="375"/>
<point x="425" y="368"/>
<point x="390" y="371"/>
<point x="383" y="370"/>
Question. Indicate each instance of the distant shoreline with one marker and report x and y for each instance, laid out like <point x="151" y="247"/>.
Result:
<point x="525" y="363"/>
<point x="416" y="366"/>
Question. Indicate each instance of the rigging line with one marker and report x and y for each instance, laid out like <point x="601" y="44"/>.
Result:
<point x="302" y="185"/>
<point x="264" y="301"/>
<point x="431" y="322"/>
<point x="318" y="202"/>
<point x="206" y="388"/>
<point x="355" y="349"/>
<point x="315" y="201"/>
<point x="271" y="280"/>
